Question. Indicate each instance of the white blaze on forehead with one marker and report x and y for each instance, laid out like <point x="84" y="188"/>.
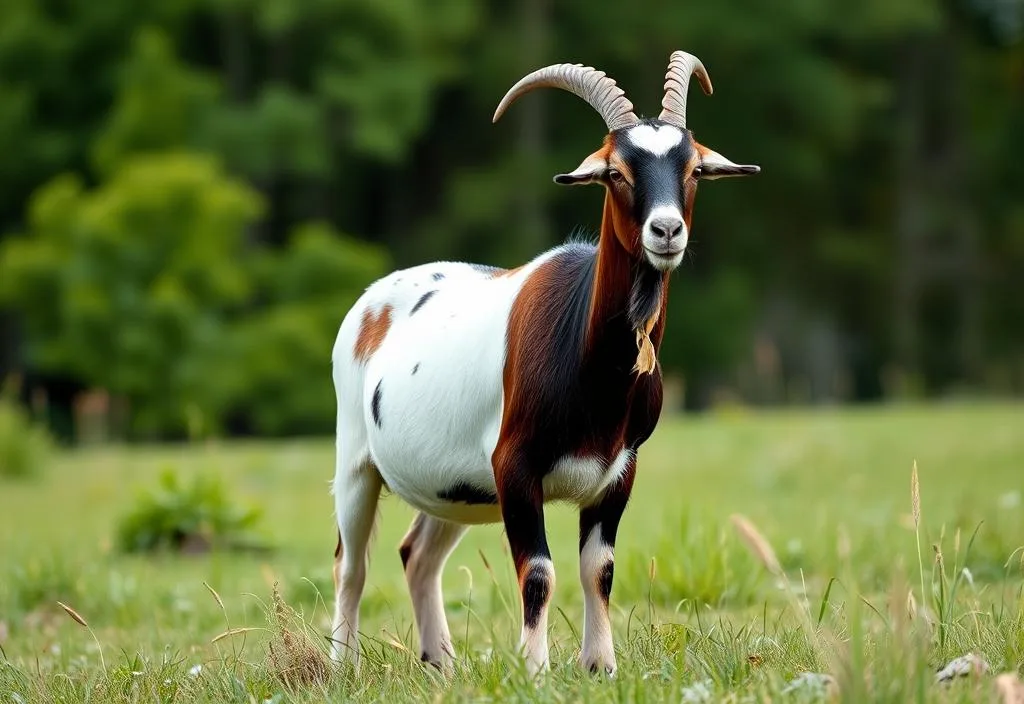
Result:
<point x="657" y="140"/>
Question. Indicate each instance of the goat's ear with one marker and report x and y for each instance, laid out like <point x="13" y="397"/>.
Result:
<point x="713" y="165"/>
<point x="590" y="170"/>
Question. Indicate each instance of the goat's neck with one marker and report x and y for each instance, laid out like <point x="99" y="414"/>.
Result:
<point x="627" y="292"/>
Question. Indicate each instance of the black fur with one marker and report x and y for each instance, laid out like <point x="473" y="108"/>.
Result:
<point x="375" y="404"/>
<point x="645" y="295"/>
<point x="604" y="581"/>
<point x="423" y="299"/>
<point x="466" y="493"/>
<point x="437" y="276"/>
<point x="536" y="590"/>
<point x="416" y="367"/>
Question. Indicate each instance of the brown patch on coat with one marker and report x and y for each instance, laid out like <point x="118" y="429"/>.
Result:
<point x="372" y="331"/>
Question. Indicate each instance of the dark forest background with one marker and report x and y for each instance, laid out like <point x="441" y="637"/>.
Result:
<point x="192" y="192"/>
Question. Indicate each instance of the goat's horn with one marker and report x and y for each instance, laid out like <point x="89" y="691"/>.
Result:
<point x="677" y="80"/>
<point x="588" y="83"/>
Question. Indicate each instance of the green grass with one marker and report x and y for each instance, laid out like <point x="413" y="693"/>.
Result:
<point x="829" y="489"/>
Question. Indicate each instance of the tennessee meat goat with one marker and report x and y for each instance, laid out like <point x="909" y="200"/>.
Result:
<point x="479" y="394"/>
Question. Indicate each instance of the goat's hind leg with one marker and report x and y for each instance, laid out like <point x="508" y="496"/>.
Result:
<point x="356" y="490"/>
<point x="424" y="551"/>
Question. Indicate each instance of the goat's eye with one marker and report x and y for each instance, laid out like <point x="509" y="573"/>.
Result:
<point x="615" y="176"/>
<point x="697" y="171"/>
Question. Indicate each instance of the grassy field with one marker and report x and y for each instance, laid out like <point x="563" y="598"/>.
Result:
<point x="696" y="612"/>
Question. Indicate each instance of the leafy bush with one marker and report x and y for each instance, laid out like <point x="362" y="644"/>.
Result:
<point x="148" y="287"/>
<point x="194" y="518"/>
<point x="24" y="446"/>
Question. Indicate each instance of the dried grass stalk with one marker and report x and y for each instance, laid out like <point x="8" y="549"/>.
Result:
<point x="757" y="543"/>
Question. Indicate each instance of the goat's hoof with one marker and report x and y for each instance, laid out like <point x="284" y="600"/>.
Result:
<point x="595" y="667"/>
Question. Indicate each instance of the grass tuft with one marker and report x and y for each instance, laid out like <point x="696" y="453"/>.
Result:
<point x="296" y="657"/>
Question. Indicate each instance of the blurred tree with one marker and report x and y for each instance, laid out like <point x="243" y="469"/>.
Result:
<point x="279" y="368"/>
<point x="127" y="287"/>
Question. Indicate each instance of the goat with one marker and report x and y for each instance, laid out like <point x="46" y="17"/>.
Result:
<point x="479" y="394"/>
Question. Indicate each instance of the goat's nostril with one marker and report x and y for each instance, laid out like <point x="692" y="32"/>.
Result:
<point x="666" y="228"/>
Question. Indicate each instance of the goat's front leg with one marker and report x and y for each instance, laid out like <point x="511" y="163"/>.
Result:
<point x="522" y="509"/>
<point x="599" y="523"/>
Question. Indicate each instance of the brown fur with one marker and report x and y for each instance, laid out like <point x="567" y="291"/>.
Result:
<point x="372" y="331"/>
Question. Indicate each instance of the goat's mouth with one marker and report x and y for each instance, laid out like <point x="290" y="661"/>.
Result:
<point x="665" y="258"/>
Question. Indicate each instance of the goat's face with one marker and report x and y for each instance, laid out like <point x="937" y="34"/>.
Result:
<point x="650" y="167"/>
<point x="650" y="171"/>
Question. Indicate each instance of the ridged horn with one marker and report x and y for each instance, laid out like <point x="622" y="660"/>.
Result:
<point x="677" y="81"/>
<point x="588" y="83"/>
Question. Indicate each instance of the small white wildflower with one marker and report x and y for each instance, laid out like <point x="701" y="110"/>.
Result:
<point x="816" y="682"/>
<point x="1010" y="499"/>
<point x="698" y="693"/>
<point x="195" y="670"/>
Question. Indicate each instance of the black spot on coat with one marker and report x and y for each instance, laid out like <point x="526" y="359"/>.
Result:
<point x="604" y="581"/>
<point x="423" y="299"/>
<point x="375" y="404"/>
<point x="466" y="493"/>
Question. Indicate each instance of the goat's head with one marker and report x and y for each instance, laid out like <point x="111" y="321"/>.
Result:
<point x="650" y="168"/>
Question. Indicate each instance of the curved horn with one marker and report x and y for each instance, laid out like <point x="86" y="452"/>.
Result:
<point x="588" y="83"/>
<point x="677" y="80"/>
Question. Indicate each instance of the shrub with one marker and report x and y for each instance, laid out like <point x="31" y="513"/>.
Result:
<point x="25" y="447"/>
<point x="194" y="518"/>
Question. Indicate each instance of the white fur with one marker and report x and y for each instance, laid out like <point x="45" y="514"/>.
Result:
<point x="658" y="140"/>
<point x="358" y="503"/>
<point x="653" y="242"/>
<point x="598" y="650"/>
<point x="431" y="542"/>
<point x="439" y="426"/>
<point x="580" y="480"/>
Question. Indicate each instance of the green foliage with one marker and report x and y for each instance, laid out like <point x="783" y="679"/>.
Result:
<point x="188" y="518"/>
<point x="25" y="447"/>
<point x="129" y="286"/>
<point x="281" y="362"/>
<point x="161" y="104"/>
<point x="39" y="581"/>
<point x="143" y="287"/>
